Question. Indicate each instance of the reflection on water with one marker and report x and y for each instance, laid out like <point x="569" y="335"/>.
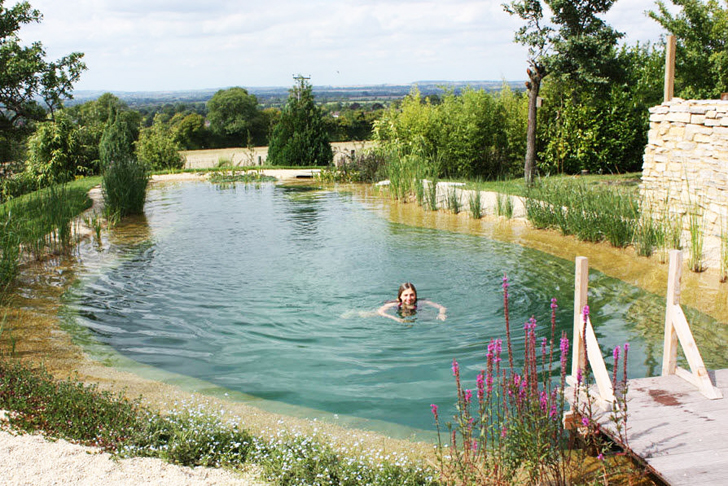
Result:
<point x="271" y="292"/>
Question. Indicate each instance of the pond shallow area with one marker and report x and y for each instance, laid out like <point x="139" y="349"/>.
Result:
<point x="266" y="293"/>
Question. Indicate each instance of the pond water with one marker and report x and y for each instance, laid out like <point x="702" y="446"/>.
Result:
<point x="269" y="290"/>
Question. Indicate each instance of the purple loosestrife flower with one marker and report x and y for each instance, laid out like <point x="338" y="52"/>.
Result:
<point x="543" y="401"/>
<point x="600" y="456"/>
<point x="585" y="312"/>
<point x="553" y="304"/>
<point x="455" y="368"/>
<point x="615" y="354"/>
<point x="480" y="383"/>
<point x="579" y="375"/>
<point x="433" y="407"/>
<point x="468" y="396"/>
<point x="624" y="363"/>
<point x="585" y="421"/>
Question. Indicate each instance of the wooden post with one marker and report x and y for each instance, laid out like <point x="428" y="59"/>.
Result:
<point x="670" y="67"/>
<point x="677" y="330"/>
<point x="581" y="289"/>
<point x="674" y="274"/>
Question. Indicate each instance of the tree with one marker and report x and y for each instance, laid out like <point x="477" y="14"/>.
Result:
<point x="701" y="32"/>
<point x="535" y="36"/>
<point x="157" y="148"/>
<point x="579" y="51"/>
<point x="30" y="86"/>
<point x="234" y="116"/>
<point x="117" y="141"/>
<point x="300" y="137"/>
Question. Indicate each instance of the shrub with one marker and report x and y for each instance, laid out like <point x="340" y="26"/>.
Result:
<point x="124" y="187"/>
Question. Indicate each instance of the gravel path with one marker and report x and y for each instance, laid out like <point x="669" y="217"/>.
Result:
<point x="33" y="460"/>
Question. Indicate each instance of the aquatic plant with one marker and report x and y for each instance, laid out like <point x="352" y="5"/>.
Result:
<point x="697" y="239"/>
<point x="504" y="205"/>
<point x="431" y="195"/>
<point x="724" y="249"/>
<point x="453" y="200"/>
<point x="508" y="428"/>
<point x="476" y="210"/>
<point x="124" y="186"/>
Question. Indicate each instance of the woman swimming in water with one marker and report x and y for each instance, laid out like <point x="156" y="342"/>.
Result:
<point x="407" y="304"/>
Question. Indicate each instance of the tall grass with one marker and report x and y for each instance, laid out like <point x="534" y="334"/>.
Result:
<point x="475" y="205"/>
<point x="697" y="239"/>
<point x="40" y="222"/>
<point x="504" y="205"/>
<point x="125" y="187"/>
<point x="453" y="200"/>
<point x="431" y="195"/>
<point x="724" y="249"/>
<point x="591" y="213"/>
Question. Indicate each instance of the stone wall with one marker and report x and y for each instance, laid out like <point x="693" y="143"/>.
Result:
<point x="685" y="166"/>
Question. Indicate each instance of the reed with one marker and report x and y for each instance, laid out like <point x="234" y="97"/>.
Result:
<point x="697" y="239"/>
<point x="724" y="249"/>
<point x="431" y="195"/>
<point x="125" y="187"/>
<point x="504" y="205"/>
<point x="453" y="200"/>
<point x="476" y="210"/>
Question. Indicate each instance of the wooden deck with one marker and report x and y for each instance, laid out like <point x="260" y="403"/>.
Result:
<point x="678" y="432"/>
<point x="677" y="423"/>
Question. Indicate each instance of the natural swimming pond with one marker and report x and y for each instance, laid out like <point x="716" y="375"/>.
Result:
<point x="269" y="290"/>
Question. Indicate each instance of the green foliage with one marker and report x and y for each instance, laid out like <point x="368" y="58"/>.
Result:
<point x="300" y="138"/>
<point x="157" y="147"/>
<point x="234" y="117"/>
<point x="189" y="132"/>
<point x="591" y="213"/>
<point x="701" y="30"/>
<point x="469" y="134"/>
<point x="59" y="151"/>
<point x="40" y="222"/>
<point x="26" y="78"/>
<point x="117" y="141"/>
<point x="124" y="186"/>
<point x="191" y="435"/>
<point x="601" y="130"/>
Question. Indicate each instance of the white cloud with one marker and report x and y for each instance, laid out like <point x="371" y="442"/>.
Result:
<point x="184" y="44"/>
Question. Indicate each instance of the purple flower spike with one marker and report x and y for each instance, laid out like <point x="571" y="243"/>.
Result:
<point x="433" y="407"/>
<point x="585" y="421"/>
<point x="585" y="312"/>
<point x="455" y="368"/>
<point x="553" y="304"/>
<point x="616" y="353"/>
<point x="468" y="396"/>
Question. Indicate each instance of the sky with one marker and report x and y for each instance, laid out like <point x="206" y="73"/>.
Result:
<point x="167" y="45"/>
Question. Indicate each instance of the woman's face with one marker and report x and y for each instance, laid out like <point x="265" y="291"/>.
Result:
<point x="408" y="298"/>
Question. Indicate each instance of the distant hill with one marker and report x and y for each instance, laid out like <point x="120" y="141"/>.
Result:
<point x="269" y="94"/>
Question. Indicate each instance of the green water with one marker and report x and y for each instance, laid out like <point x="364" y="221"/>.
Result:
<point x="269" y="290"/>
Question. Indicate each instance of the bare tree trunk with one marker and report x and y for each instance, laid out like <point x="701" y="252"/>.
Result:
<point x="534" y="85"/>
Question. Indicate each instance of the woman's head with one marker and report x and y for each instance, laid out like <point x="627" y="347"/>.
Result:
<point x="407" y="294"/>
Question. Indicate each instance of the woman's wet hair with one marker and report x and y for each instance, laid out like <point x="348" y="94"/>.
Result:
<point x="404" y="287"/>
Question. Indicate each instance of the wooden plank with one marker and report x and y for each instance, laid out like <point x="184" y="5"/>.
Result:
<point x="669" y="352"/>
<point x="581" y="288"/>
<point x="676" y="430"/>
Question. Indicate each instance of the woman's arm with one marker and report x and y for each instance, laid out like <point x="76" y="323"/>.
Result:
<point x="382" y="311"/>
<point x="442" y="315"/>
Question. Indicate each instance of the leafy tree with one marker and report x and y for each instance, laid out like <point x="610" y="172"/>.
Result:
<point x="117" y="141"/>
<point x="60" y="150"/>
<point x="30" y="84"/>
<point x="578" y="52"/>
<point x="300" y="137"/>
<point x="157" y="147"/>
<point x="234" y="117"/>
<point x="701" y="32"/>
<point x="189" y="132"/>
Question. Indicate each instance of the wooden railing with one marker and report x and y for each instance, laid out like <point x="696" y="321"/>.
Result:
<point x="677" y="330"/>
<point x="583" y="331"/>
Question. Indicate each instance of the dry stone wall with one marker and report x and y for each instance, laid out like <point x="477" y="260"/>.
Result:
<point x="685" y="166"/>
